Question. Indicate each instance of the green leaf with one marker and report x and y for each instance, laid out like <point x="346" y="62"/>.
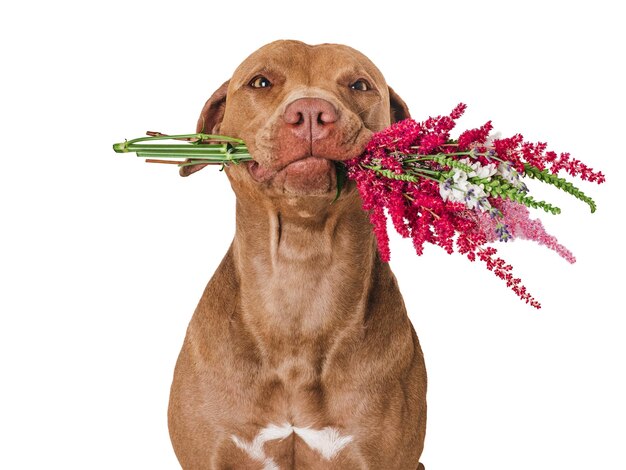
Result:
<point x="342" y="177"/>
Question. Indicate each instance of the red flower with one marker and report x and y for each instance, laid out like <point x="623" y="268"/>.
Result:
<point x="475" y="136"/>
<point x="415" y="204"/>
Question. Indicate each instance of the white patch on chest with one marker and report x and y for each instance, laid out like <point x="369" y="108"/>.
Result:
<point x="328" y="442"/>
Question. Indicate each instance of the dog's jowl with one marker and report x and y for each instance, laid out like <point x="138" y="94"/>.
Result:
<point x="300" y="354"/>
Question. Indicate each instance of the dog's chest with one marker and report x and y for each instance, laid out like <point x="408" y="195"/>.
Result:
<point x="292" y="300"/>
<point x="298" y="431"/>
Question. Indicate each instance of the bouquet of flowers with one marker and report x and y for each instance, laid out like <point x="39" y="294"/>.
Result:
<point x="460" y="194"/>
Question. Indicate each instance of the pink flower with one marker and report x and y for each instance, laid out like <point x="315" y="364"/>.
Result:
<point x="517" y="219"/>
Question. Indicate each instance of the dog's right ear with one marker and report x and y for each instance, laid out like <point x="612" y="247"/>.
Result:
<point x="209" y="121"/>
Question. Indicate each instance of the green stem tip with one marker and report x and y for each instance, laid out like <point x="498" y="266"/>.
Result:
<point x="121" y="147"/>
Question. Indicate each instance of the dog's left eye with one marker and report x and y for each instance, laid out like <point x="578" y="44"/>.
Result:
<point x="360" y="85"/>
<point x="260" y="82"/>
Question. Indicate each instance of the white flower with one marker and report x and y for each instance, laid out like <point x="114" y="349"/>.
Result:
<point x="505" y="169"/>
<point x="510" y="174"/>
<point x="458" y="189"/>
<point x="486" y="171"/>
<point x="481" y="171"/>
<point x="476" y="198"/>
<point x="454" y="188"/>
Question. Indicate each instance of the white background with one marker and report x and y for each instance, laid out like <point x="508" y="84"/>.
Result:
<point x="103" y="258"/>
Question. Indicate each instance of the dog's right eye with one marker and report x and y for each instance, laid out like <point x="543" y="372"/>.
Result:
<point x="260" y="82"/>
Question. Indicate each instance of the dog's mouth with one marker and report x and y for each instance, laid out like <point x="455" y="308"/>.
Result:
<point x="305" y="167"/>
<point x="262" y="173"/>
<point x="304" y="176"/>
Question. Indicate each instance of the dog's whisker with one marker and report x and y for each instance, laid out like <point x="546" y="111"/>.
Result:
<point x="364" y="110"/>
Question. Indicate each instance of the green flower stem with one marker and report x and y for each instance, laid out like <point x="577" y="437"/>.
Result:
<point x="425" y="158"/>
<point x="419" y="157"/>
<point x="422" y="171"/>
<point x="223" y="149"/>
<point x="198" y="149"/>
<point x="414" y="177"/>
<point x="550" y="178"/>
<point x="445" y="160"/>
<point x="197" y="137"/>
<point x="205" y="161"/>
<point x="395" y="176"/>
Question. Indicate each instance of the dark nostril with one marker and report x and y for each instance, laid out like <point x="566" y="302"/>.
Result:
<point x="326" y="117"/>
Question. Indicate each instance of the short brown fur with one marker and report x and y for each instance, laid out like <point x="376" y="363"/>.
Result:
<point x="301" y="323"/>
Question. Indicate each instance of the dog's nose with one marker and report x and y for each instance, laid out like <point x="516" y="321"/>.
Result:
<point x="310" y="118"/>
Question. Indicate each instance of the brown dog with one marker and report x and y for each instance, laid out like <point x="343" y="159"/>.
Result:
<point x="300" y="354"/>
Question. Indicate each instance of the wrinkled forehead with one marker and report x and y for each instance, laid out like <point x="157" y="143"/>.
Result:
<point x="307" y="63"/>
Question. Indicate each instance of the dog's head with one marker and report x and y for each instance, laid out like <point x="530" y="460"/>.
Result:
<point x="299" y="109"/>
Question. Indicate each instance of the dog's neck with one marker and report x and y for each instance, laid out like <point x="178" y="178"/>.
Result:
<point x="305" y="272"/>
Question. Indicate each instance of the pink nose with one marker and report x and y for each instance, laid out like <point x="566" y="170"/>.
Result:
<point x="310" y="118"/>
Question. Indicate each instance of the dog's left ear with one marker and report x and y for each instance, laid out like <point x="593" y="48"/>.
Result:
<point x="399" y="109"/>
<point x="209" y="121"/>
